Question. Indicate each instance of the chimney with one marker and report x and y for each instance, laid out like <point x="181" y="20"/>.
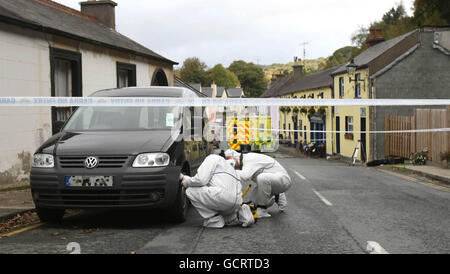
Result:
<point x="214" y="89"/>
<point x="102" y="10"/>
<point x="375" y="37"/>
<point x="298" y="70"/>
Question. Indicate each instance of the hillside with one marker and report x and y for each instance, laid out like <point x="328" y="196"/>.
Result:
<point x="311" y="66"/>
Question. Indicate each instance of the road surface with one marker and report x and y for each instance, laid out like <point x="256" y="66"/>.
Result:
<point x="332" y="208"/>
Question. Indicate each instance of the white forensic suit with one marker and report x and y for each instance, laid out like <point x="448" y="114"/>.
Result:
<point x="216" y="193"/>
<point x="271" y="178"/>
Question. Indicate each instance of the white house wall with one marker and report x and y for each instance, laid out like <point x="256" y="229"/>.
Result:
<point x="24" y="71"/>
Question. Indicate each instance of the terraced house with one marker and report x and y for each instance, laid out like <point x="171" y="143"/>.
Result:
<point x="415" y="65"/>
<point x="297" y="124"/>
<point x="47" y="49"/>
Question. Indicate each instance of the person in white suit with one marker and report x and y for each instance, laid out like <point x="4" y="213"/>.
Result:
<point x="216" y="193"/>
<point x="271" y="178"/>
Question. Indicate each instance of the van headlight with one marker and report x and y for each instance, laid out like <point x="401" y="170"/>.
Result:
<point x="43" y="161"/>
<point x="151" y="160"/>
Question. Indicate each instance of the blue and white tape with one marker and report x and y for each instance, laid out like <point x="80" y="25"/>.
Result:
<point x="185" y="102"/>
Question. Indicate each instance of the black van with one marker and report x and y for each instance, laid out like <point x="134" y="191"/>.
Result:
<point x="119" y="157"/>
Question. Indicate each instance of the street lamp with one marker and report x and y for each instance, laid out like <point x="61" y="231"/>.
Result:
<point x="351" y="69"/>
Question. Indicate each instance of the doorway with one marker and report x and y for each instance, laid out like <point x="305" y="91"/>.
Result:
<point x="363" y="140"/>
<point x="338" y="135"/>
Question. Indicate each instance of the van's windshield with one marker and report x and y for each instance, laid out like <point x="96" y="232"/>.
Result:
<point x="123" y="118"/>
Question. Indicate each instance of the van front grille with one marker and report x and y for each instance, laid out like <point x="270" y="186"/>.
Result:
<point x="104" y="161"/>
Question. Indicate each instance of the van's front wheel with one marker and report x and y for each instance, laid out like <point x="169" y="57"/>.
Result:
<point x="50" y="215"/>
<point x="179" y="210"/>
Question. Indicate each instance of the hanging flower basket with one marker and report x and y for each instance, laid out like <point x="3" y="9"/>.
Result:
<point x="311" y="111"/>
<point x="304" y="110"/>
<point x="295" y="110"/>
<point x="322" y="111"/>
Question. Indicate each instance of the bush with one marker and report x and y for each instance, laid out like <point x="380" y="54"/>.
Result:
<point x="445" y="156"/>
<point x="419" y="158"/>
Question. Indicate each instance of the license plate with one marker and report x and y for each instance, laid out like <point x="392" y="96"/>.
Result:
<point x="89" y="181"/>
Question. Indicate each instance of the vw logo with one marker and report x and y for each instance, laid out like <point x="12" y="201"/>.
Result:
<point x="91" y="162"/>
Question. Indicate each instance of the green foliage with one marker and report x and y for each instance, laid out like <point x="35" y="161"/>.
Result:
<point x="432" y="12"/>
<point x="396" y="22"/>
<point x="194" y="71"/>
<point x="340" y="56"/>
<point x="310" y="66"/>
<point x="250" y="76"/>
<point x="420" y="157"/>
<point x="322" y="111"/>
<point x="445" y="156"/>
<point x="359" y="37"/>
<point x="222" y="77"/>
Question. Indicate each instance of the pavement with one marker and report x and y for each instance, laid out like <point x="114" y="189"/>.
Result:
<point x="434" y="172"/>
<point x="13" y="202"/>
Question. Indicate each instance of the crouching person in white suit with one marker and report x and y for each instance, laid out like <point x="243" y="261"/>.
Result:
<point x="271" y="178"/>
<point x="216" y="193"/>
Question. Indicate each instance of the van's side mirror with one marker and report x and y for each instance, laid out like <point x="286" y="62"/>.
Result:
<point x="57" y="126"/>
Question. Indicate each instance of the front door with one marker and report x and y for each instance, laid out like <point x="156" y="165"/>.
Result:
<point x="363" y="140"/>
<point x="294" y="120"/>
<point x="338" y="135"/>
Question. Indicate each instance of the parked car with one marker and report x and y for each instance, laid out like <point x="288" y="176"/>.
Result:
<point x="118" y="157"/>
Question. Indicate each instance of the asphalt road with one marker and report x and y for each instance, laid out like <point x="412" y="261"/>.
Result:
<point x="332" y="208"/>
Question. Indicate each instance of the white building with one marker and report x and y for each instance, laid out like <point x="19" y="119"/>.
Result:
<point x="47" y="49"/>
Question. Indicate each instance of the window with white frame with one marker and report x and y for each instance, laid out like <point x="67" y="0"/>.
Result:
<point x="349" y="124"/>
<point x="341" y="86"/>
<point x="357" y="85"/>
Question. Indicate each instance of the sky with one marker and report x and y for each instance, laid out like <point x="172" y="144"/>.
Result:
<point x="259" y="31"/>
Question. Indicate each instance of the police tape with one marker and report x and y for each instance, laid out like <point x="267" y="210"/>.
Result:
<point x="203" y="102"/>
<point x="278" y="130"/>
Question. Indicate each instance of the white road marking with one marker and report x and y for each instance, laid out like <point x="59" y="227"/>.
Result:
<point x="375" y="248"/>
<point x="325" y="201"/>
<point x="299" y="175"/>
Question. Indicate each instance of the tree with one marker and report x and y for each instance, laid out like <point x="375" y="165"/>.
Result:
<point x="340" y="56"/>
<point x="432" y="12"/>
<point x="222" y="77"/>
<point x="250" y="76"/>
<point x="395" y="22"/>
<point x="194" y="71"/>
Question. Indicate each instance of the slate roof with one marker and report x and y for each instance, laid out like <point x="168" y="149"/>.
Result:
<point x="234" y="92"/>
<point x="373" y="52"/>
<point x="196" y="86"/>
<point x="220" y="91"/>
<point x="277" y="85"/>
<point x="307" y="82"/>
<point x="53" y="18"/>
<point x="180" y="83"/>
<point x="207" y="91"/>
